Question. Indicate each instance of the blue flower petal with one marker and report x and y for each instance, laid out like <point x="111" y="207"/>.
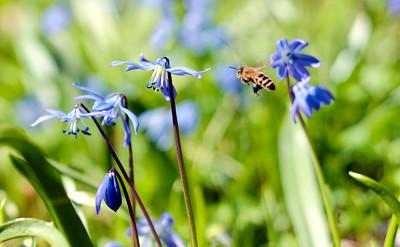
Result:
<point x="183" y="71"/>
<point x="100" y="194"/>
<point x="298" y="45"/>
<point x="281" y="72"/>
<point x="145" y="61"/>
<point x="282" y="45"/>
<point x="306" y="60"/>
<point x="133" y="118"/>
<point x="166" y="93"/>
<point x="301" y="70"/>
<point x="92" y="92"/>
<point x="293" y="71"/>
<point x="133" y="66"/>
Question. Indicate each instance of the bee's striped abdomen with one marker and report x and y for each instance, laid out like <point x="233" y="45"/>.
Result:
<point x="264" y="81"/>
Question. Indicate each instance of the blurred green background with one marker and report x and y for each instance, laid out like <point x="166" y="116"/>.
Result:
<point x="233" y="156"/>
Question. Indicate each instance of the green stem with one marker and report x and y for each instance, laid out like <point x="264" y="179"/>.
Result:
<point x="391" y="233"/>
<point x="181" y="164"/>
<point x="320" y="177"/>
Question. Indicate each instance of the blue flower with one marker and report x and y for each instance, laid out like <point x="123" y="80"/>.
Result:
<point x="307" y="98"/>
<point x="394" y="6"/>
<point x="111" y="108"/>
<point x="164" y="230"/>
<point x="288" y="60"/>
<point x="71" y="118"/>
<point x="56" y="19"/>
<point x="159" y="78"/>
<point x="109" y="192"/>
<point x="158" y="125"/>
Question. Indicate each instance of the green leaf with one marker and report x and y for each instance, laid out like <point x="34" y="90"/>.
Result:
<point x="25" y="227"/>
<point x="381" y="190"/>
<point x="47" y="183"/>
<point x="2" y="205"/>
<point x="300" y="187"/>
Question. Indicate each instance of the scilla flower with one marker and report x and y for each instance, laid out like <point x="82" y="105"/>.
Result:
<point x="159" y="78"/>
<point x="109" y="192"/>
<point x="71" y="118"/>
<point x="111" y="108"/>
<point x="307" y="98"/>
<point x="287" y="60"/>
<point x="164" y="230"/>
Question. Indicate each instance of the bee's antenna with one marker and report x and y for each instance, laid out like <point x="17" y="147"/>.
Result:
<point x="232" y="67"/>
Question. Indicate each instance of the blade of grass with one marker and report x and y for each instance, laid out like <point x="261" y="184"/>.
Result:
<point x="26" y="227"/>
<point x="47" y="183"/>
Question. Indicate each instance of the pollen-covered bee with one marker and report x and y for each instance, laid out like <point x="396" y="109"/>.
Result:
<point x="259" y="79"/>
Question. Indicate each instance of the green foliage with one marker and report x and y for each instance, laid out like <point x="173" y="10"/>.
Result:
<point x="25" y="227"/>
<point x="384" y="193"/>
<point x="47" y="183"/>
<point x="300" y="187"/>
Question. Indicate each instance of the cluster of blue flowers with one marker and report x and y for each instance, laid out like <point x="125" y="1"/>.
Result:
<point x="287" y="60"/>
<point x="112" y="107"/>
<point x="109" y="108"/>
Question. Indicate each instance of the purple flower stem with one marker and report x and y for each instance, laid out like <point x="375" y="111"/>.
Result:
<point x="130" y="161"/>
<point x="125" y="175"/>
<point x="181" y="164"/>
<point x="320" y="177"/>
<point x="134" y="236"/>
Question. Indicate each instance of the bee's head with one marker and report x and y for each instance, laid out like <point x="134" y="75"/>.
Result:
<point x="238" y="71"/>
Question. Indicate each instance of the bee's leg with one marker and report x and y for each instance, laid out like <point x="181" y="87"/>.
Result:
<point x="247" y="82"/>
<point x="256" y="88"/>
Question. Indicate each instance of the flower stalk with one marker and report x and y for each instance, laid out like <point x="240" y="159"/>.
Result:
<point x="134" y="236"/>
<point x="318" y="171"/>
<point x="130" y="162"/>
<point x="125" y="175"/>
<point x="181" y="164"/>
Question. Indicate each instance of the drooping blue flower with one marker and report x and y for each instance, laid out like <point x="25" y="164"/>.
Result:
<point x="109" y="192"/>
<point x="164" y="230"/>
<point x="287" y="60"/>
<point x="227" y="80"/>
<point x="110" y="108"/>
<point x="55" y="19"/>
<point x="71" y="118"/>
<point x="307" y="98"/>
<point x="394" y="6"/>
<point x="159" y="78"/>
<point x="198" y="31"/>
<point x="157" y="122"/>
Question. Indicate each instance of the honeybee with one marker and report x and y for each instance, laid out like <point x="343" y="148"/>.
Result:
<point x="250" y="74"/>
